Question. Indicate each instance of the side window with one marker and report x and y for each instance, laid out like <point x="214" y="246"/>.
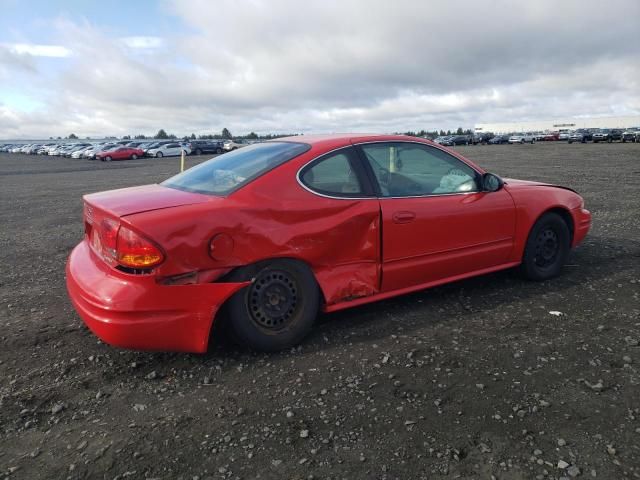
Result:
<point x="411" y="169"/>
<point x="334" y="175"/>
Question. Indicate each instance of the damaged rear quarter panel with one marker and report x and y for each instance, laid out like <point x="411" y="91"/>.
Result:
<point x="274" y="217"/>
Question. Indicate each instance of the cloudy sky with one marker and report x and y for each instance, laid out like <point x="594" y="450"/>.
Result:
<point x="116" y="68"/>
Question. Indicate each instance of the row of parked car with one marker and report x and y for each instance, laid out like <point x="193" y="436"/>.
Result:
<point x="581" y="135"/>
<point x="126" y="149"/>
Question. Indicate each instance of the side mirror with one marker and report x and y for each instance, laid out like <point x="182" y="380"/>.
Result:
<point x="491" y="182"/>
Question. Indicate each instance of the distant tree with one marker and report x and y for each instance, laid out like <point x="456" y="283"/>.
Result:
<point x="442" y="133"/>
<point x="226" y="133"/>
<point x="193" y="136"/>
<point x="171" y="136"/>
<point x="161" y="135"/>
<point x="252" y="136"/>
<point x="87" y="138"/>
<point x="126" y="137"/>
<point x="73" y="136"/>
<point x="139" y="137"/>
<point x="459" y="131"/>
<point x="448" y="132"/>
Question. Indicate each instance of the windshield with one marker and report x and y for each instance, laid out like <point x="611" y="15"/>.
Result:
<point x="226" y="173"/>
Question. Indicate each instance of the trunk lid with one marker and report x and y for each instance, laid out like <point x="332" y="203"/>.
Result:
<point x="127" y="201"/>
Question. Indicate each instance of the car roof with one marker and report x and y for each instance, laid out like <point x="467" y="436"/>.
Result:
<point x="346" y="138"/>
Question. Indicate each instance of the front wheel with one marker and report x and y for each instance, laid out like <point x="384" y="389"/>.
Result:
<point x="547" y="248"/>
<point x="198" y="152"/>
<point x="218" y="150"/>
<point x="159" y="155"/>
<point x="277" y="310"/>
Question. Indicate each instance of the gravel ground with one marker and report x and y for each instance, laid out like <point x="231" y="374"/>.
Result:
<point x="477" y="379"/>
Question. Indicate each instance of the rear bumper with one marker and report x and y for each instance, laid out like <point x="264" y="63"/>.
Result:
<point x="133" y="311"/>
<point x="582" y="225"/>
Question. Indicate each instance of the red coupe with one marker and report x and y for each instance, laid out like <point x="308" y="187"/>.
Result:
<point x="120" y="153"/>
<point x="264" y="237"/>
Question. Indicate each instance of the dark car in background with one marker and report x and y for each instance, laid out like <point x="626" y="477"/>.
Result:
<point x="631" y="135"/>
<point x="607" y="135"/>
<point x="481" y="138"/>
<point x="199" y="147"/>
<point x="499" y="140"/>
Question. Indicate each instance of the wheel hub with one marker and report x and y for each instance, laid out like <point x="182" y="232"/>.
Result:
<point x="546" y="248"/>
<point x="272" y="299"/>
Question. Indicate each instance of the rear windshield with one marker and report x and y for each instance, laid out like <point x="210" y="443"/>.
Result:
<point x="226" y="173"/>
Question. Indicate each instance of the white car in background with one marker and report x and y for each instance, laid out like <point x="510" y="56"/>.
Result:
<point x="79" y="153"/>
<point x="523" y="138"/>
<point x="169" y="150"/>
<point x="233" y="145"/>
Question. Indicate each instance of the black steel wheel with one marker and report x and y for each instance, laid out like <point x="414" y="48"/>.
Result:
<point x="273" y="299"/>
<point x="277" y="310"/>
<point x="547" y="248"/>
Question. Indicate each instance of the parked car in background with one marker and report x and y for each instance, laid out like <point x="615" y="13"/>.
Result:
<point x="174" y="149"/>
<point x="582" y="135"/>
<point x="92" y="153"/>
<point x="460" y="140"/>
<point x="550" y="137"/>
<point x="607" y="135"/>
<point x="155" y="144"/>
<point x="78" y="153"/>
<point x="120" y="153"/>
<point x="481" y="138"/>
<point x="230" y="145"/>
<point x="564" y="136"/>
<point x="631" y="135"/>
<point x="522" y="138"/>
<point x="576" y="137"/>
<point x="499" y="140"/>
<point x="442" y="140"/>
<point x="199" y="147"/>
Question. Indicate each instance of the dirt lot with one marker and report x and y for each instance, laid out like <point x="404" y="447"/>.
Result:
<point x="473" y="380"/>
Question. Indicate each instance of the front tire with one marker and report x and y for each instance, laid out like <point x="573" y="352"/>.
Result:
<point x="277" y="310"/>
<point x="547" y="248"/>
<point x="159" y="155"/>
<point x="198" y="152"/>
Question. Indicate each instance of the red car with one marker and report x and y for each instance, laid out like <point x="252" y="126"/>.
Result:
<point x="264" y="237"/>
<point x="120" y="153"/>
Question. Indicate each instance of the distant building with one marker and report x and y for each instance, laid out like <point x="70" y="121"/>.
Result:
<point x="563" y="124"/>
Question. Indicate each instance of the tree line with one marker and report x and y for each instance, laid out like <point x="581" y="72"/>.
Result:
<point x="226" y="134"/>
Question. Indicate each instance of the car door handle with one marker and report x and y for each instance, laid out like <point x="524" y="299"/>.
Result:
<point x="403" y="217"/>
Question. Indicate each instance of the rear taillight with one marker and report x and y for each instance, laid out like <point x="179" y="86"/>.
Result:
<point x="135" y="251"/>
<point x="109" y="237"/>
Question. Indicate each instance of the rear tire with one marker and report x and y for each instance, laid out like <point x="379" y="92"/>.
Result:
<point x="218" y="150"/>
<point x="134" y="157"/>
<point x="107" y="159"/>
<point x="547" y="248"/>
<point x="198" y="152"/>
<point x="277" y="310"/>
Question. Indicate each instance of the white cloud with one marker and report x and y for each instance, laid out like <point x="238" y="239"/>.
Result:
<point x="142" y="43"/>
<point x="56" y="51"/>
